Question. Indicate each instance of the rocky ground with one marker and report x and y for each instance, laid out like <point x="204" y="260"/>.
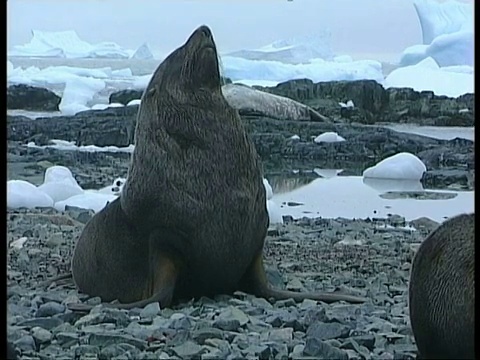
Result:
<point x="369" y="257"/>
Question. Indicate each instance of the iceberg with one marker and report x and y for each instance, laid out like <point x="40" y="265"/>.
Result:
<point x="443" y="18"/>
<point x="237" y="69"/>
<point x="447" y="50"/>
<point x="447" y="30"/>
<point x="143" y="53"/>
<point x="292" y="51"/>
<point x="67" y="44"/>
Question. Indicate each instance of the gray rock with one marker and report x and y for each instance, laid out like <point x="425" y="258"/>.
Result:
<point x="260" y="351"/>
<point x="115" y="350"/>
<point x="125" y="96"/>
<point x="188" y="350"/>
<point x="86" y="351"/>
<point x="313" y="315"/>
<point x="47" y="323"/>
<point x="41" y="335"/>
<point x="231" y="319"/>
<point x="201" y="335"/>
<point x="180" y="322"/>
<point x="321" y="350"/>
<point x="102" y="315"/>
<point x="26" y="97"/>
<point x="227" y="325"/>
<point x="150" y="311"/>
<point x="280" y="335"/>
<point x="49" y="309"/>
<point x="365" y="340"/>
<point x="109" y="339"/>
<point x="25" y="343"/>
<point x="67" y="339"/>
<point x="325" y="331"/>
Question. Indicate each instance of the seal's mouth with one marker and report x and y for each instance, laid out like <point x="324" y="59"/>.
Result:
<point x="208" y="46"/>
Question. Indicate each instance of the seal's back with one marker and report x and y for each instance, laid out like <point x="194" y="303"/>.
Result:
<point x="442" y="291"/>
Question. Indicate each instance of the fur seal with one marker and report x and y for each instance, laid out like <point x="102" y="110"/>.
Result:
<point x="442" y="291"/>
<point x="191" y="219"/>
<point x="245" y="98"/>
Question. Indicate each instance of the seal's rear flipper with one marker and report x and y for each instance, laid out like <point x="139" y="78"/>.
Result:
<point x="65" y="279"/>
<point x="255" y="282"/>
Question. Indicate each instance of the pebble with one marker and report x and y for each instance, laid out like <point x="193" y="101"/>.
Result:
<point x="41" y="335"/>
<point x="188" y="349"/>
<point x="49" y="309"/>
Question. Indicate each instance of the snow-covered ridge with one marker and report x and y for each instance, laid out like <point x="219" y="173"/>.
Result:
<point x="67" y="44"/>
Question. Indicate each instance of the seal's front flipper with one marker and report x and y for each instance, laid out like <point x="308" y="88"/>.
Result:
<point x="161" y="285"/>
<point x="255" y="282"/>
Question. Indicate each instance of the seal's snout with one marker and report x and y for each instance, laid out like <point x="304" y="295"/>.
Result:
<point x="205" y="31"/>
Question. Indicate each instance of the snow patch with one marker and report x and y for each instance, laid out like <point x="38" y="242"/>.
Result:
<point x="134" y="102"/>
<point x="88" y="200"/>
<point x="78" y="92"/>
<point x="22" y="194"/>
<point x="328" y="137"/>
<point x="70" y="146"/>
<point x="427" y="75"/>
<point x="60" y="184"/>
<point x="268" y="189"/>
<point x="348" y="105"/>
<point x="274" y="213"/>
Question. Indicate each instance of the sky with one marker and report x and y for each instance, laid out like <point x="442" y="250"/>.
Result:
<point x="356" y="26"/>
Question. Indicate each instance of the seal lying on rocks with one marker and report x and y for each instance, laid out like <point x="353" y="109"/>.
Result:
<point x="245" y="98"/>
<point x="442" y="291"/>
<point x="191" y="220"/>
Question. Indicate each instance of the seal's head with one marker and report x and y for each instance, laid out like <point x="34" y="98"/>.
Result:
<point x="192" y="67"/>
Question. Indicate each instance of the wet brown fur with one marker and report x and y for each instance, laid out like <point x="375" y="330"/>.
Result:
<point x="442" y="291"/>
<point x="191" y="220"/>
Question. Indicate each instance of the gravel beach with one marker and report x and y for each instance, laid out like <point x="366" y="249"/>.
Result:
<point x="370" y="257"/>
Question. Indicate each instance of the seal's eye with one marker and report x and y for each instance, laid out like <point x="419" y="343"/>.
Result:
<point x="118" y="183"/>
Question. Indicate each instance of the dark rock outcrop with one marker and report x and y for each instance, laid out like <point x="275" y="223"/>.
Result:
<point x="372" y="102"/>
<point x="125" y="96"/>
<point x="26" y="97"/>
<point x="272" y="138"/>
<point x="110" y="127"/>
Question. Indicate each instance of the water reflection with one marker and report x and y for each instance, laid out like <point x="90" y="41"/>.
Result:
<point x="327" y="173"/>
<point x="384" y="185"/>
<point x="286" y="183"/>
